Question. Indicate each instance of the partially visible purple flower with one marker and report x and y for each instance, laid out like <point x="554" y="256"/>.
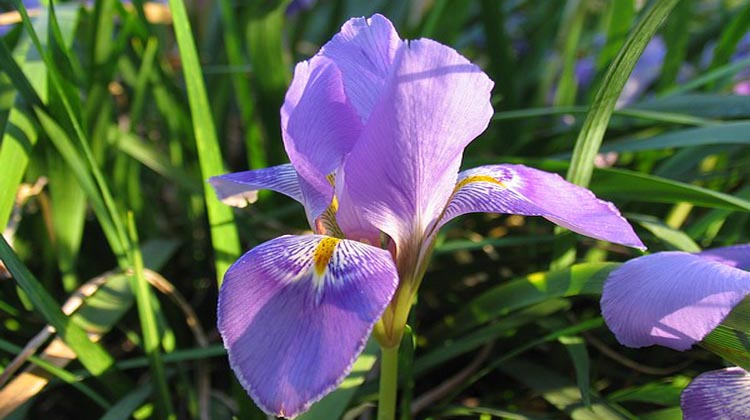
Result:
<point x="375" y="128"/>
<point x="296" y="6"/>
<point x="646" y="71"/>
<point x="675" y="299"/>
<point x="741" y="52"/>
<point x="10" y="18"/>
<point x="722" y="394"/>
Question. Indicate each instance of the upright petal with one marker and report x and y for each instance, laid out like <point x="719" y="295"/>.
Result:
<point x="319" y="126"/>
<point x="402" y="170"/>
<point x="239" y="189"/>
<point x="296" y="311"/>
<point x="718" y="395"/>
<point x="517" y="189"/>
<point x="364" y="51"/>
<point x="673" y="299"/>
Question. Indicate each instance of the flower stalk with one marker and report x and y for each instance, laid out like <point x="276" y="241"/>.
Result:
<point x="388" y="382"/>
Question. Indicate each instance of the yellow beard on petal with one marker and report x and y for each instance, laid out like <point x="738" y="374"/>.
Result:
<point x="477" y="178"/>
<point x="323" y="253"/>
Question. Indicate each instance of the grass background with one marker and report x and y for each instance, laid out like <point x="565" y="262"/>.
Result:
<point x="113" y="115"/>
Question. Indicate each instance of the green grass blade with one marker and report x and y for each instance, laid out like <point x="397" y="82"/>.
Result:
<point x="123" y="409"/>
<point x="20" y="134"/>
<point x="334" y="404"/>
<point x="734" y="31"/>
<point x="60" y="373"/>
<point x="119" y="240"/>
<point x="673" y="238"/>
<point x="147" y="316"/>
<point x="576" y="348"/>
<point x="620" y="184"/>
<point x="580" y="279"/>
<point x="558" y="391"/>
<point x="92" y="356"/>
<point x="253" y="140"/>
<point x="726" y="133"/>
<point x="68" y="203"/>
<point x="224" y="235"/>
<point x="590" y="137"/>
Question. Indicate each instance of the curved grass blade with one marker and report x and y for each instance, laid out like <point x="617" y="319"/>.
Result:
<point x="93" y="357"/>
<point x="7" y="406"/>
<point x="591" y="134"/>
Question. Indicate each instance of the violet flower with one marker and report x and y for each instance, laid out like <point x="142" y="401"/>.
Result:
<point x="375" y="129"/>
<point x="675" y="299"/>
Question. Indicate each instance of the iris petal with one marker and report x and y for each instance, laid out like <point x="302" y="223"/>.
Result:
<point x="673" y="299"/>
<point x="296" y="311"/>
<point x="737" y="256"/>
<point x="319" y="127"/>
<point x="364" y="51"/>
<point x="721" y="394"/>
<point x="517" y="189"/>
<point x="401" y="172"/>
<point x="240" y="188"/>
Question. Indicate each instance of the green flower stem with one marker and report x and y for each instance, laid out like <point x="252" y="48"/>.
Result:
<point x="388" y="383"/>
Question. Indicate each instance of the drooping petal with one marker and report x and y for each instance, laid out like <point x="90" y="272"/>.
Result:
<point x="718" y="395"/>
<point x="239" y="189"/>
<point x="319" y="126"/>
<point x="364" y="51"/>
<point x="737" y="256"/>
<point x="673" y="299"/>
<point x="400" y="173"/>
<point x="517" y="189"/>
<point x="296" y="311"/>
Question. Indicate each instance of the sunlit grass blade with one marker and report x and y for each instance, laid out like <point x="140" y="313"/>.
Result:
<point x="60" y="373"/>
<point x="118" y="237"/>
<point x="93" y="357"/>
<point x="224" y="236"/>
<point x="620" y="184"/>
<point x="671" y="237"/>
<point x="20" y="134"/>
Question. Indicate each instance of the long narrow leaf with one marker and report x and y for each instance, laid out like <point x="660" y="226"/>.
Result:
<point x="223" y="231"/>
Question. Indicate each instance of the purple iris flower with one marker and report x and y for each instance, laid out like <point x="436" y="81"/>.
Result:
<point x="375" y="128"/>
<point x="675" y="299"/>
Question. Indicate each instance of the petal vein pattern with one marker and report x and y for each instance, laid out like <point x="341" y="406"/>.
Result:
<point x="673" y="299"/>
<point x="402" y="170"/>
<point x="518" y="189"/>
<point x="239" y="189"/>
<point x="295" y="312"/>
<point x="721" y="394"/>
